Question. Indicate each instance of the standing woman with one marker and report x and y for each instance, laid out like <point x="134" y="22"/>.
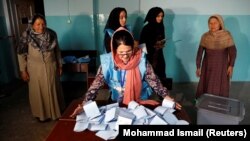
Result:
<point x="153" y="35"/>
<point x="117" y="18"/>
<point x="40" y="65"/>
<point x="218" y="61"/>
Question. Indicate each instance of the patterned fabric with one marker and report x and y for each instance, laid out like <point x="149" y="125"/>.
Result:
<point x="44" y="42"/>
<point x="217" y="52"/>
<point x="217" y="40"/>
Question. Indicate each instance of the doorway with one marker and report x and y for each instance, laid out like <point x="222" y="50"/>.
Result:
<point x="17" y="14"/>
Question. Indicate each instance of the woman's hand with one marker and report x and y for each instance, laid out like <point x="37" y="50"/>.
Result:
<point x="60" y="71"/>
<point x="198" y="72"/>
<point x="77" y="111"/>
<point x="25" y="76"/>
<point x="160" y="44"/>
<point x="230" y="71"/>
<point x="177" y="105"/>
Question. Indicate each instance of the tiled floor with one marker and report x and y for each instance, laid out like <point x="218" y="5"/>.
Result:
<point x="18" y="124"/>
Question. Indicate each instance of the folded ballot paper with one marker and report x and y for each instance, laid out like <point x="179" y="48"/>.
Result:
<point x="105" y="120"/>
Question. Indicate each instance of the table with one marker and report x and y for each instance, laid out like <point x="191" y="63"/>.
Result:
<point x="63" y="130"/>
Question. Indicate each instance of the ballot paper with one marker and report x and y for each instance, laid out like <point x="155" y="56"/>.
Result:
<point x="97" y="120"/>
<point x="91" y="109"/>
<point x="182" y="122"/>
<point x="109" y="106"/>
<point x="124" y="118"/>
<point x="160" y="110"/>
<point x="168" y="103"/>
<point x="140" y="112"/>
<point x="82" y="117"/>
<point x="106" y="120"/>
<point x="107" y="135"/>
<point x="81" y="126"/>
<point x="111" y="125"/>
<point x="97" y="127"/>
<point x="170" y="118"/>
<point x="140" y="121"/>
<point x="132" y="105"/>
<point x="110" y="115"/>
<point x="157" y="121"/>
<point x="150" y="112"/>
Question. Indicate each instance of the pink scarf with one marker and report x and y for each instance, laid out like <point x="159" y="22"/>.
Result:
<point x="133" y="77"/>
<point x="133" y="84"/>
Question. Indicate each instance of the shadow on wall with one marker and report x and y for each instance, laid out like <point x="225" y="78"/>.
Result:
<point x="174" y="64"/>
<point x="138" y="24"/>
<point x="80" y="35"/>
<point x="242" y="63"/>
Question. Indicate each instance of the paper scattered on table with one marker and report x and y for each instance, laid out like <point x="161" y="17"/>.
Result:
<point x="132" y="105"/>
<point x="106" y="123"/>
<point x="157" y="121"/>
<point x="140" y="112"/>
<point x="170" y="118"/>
<point x="97" y="127"/>
<point x="107" y="135"/>
<point x="110" y="115"/>
<point x="168" y="103"/>
<point x="81" y="126"/>
<point x="91" y="109"/>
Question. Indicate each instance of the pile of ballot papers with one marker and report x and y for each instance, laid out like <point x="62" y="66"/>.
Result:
<point x="105" y="120"/>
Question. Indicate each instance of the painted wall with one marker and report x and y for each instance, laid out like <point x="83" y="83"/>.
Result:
<point x="7" y="69"/>
<point x="185" y="21"/>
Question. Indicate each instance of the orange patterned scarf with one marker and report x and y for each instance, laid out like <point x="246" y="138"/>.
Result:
<point x="133" y="84"/>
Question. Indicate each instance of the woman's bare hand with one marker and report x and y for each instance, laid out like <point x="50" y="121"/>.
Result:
<point x="25" y="76"/>
<point x="177" y="105"/>
<point x="77" y="111"/>
<point x="198" y="72"/>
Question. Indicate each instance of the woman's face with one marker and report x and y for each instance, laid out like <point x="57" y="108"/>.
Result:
<point x="124" y="52"/>
<point x="122" y="18"/>
<point x="214" y="25"/>
<point x="39" y="25"/>
<point x="159" y="17"/>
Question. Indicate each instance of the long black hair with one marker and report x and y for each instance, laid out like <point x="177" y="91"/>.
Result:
<point x="113" y="20"/>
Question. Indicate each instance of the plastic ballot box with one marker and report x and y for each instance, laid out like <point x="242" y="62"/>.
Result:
<point x="219" y="110"/>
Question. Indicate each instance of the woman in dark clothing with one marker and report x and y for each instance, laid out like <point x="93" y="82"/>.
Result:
<point x="218" y="60"/>
<point x="153" y="35"/>
<point x="117" y="18"/>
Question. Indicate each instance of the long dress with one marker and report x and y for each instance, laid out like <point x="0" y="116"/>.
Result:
<point x="151" y="33"/>
<point x="45" y="91"/>
<point x="217" y="58"/>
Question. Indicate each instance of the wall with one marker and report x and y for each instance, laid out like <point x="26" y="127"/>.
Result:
<point x="185" y="21"/>
<point x="7" y="68"/>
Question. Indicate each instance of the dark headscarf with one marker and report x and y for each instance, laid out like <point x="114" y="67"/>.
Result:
<point x="45" y="41"/>
<point x="156" y="30"/>
<point x="152" y="14"/>
<point x="112" y="25"/>
<point x="113" y="20"/>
